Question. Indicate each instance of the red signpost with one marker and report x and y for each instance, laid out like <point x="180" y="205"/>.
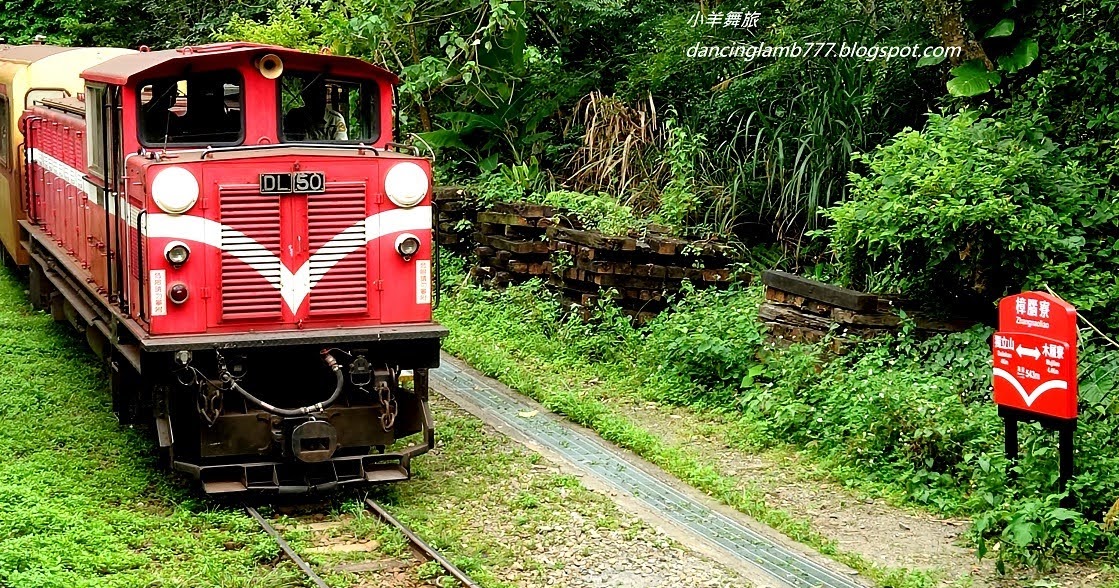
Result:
<point x="1035" y="355"/>
<point x="1035" y="369"/>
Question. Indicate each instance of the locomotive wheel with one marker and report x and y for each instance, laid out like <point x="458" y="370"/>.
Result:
<point x="8" y="259"/>
<point x="123" y="384"/>
<point x="38" y="286"/>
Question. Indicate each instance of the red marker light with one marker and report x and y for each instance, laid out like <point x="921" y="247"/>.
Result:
<point x="178" y="293"/>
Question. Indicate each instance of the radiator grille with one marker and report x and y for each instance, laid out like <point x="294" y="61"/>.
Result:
<point x="339" y="263"/>
<point x="250" y="240"/>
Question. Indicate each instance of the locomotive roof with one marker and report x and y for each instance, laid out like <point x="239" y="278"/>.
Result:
<point x="126" y="68"/>
<point x="29" y="53"/>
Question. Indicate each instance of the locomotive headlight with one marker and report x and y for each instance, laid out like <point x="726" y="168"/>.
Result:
<point x="407" y="245"/>
<point x="177" y="253"/>
<point x="406" y="184"/>
<point x="175" y="190"/>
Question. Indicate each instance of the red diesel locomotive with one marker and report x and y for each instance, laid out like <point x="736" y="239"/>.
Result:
<point x="235" y="231"/>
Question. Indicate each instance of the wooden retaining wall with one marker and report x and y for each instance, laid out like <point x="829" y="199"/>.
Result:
<point x="455" y="212"/>
<point x="800" y="309"/>
<point x="510" y="244"/>
<point x="519" y="241"/>
<point x="514" y="242"/>
<point x="639" y="274"/>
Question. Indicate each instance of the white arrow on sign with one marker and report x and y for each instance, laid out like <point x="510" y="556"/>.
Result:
<point x="1029" y="352"/>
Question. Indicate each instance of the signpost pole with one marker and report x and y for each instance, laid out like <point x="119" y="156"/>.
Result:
<point x="1011" y="425"/>
<point x="1068" y="466"/>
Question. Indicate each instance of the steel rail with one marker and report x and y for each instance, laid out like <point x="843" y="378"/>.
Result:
<point x="288" y="551"/>
<point x="421" y="545"/>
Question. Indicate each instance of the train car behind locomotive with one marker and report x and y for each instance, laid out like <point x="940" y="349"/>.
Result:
<point x="235" y="231"/>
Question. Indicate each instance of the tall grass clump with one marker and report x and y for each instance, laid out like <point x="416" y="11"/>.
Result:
<point x="793" y="150"/>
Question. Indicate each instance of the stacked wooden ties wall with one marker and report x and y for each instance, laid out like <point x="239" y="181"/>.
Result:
<point x="454" y="216"/>
<point x="519" y="241"/>
<point x="640" y="274"/>
<point x="510" y="243"/>
<point x="800" y="309"/>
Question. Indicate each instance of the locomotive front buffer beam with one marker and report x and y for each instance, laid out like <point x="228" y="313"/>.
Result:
<point x="296" y="419"/>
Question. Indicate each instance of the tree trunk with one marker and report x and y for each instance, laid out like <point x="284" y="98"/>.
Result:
<point x="425" y="114"/>
<point x="947" y="20"/>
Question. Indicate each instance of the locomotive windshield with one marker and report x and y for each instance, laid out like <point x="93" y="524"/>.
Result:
<point x="196" y="109"/>
<point x="318" y="109"/>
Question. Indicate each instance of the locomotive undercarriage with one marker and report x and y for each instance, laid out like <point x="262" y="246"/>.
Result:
<point x="296" y="418"/>
<point x="269" y="412"/>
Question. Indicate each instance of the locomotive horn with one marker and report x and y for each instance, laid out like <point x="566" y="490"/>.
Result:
<point x="270" y="65"/>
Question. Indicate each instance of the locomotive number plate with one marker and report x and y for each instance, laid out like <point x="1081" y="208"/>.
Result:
<point x="293" y="183"/>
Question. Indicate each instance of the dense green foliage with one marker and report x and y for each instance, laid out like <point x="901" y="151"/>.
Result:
<point x="121" y="23"/>
<point x="1072" y="92"/>
<point x="472" y="83"/>
<point x="972" y="209"/>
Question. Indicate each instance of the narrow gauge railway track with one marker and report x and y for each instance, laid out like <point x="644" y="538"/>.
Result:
<point x="421" y="547"/>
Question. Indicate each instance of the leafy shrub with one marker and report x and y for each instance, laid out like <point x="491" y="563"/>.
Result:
<point x="706" y="348"/>
<point x="605" y="334"/>
<point x="291" y="23"/>
<point x="679" y="200"/>
<point x="507" y="183"/>
<point x="600" y="211"/>
<point x="1037" y="532"/>
<point x="971" y="209"/>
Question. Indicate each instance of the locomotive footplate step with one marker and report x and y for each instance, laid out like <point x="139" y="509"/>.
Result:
<point x="286" y="478"/>
<point x="778" y="561"/>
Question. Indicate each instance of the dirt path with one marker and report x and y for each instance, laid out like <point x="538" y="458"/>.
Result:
<point x="881" y="533"/>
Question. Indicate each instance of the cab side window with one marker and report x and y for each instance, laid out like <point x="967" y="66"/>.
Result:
<point x="38" y="95"/>
<point x="315" y="108"/>
<point x="94" y="117"/>
<point x="198" y="109"/>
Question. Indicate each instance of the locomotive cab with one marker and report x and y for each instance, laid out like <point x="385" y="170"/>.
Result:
<point x="261" y="275"/>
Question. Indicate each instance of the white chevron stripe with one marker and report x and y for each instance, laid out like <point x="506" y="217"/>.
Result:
<point x="55" y="166"/>
<point x="295" y="286"/>
<point x="1032" y="396"/>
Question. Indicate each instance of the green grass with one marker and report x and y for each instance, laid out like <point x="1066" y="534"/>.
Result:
<point x="81" y="501"/>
